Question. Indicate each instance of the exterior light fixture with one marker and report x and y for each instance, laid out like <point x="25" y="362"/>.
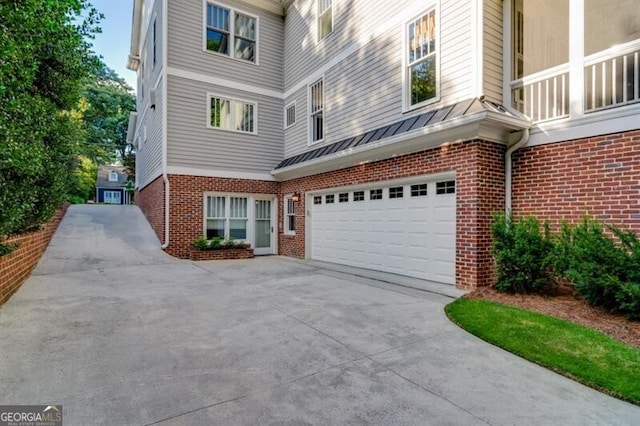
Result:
<point x="295" y="197"/>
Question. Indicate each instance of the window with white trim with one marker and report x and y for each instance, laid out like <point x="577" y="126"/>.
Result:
<point x="113" y="176"/>
<point x="231" y="114"/>
<point x="421" y="59"/>
<point x="231" y="33"/>
<point x="316" y="111"/>
<point x="325" y="18"/>
<point x="289" y="115"/>
<point x="226" y="216"/>
<point x="289" y="215"/>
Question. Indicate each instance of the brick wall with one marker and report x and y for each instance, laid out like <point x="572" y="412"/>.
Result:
<point x="479" y="167"/>
<point x="16" y="267"/>
<point x="151" y="201"/>
<point x="186" y="205"/>
<point x="598" y="176"/>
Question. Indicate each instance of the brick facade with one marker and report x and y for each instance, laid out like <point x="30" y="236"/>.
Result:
<point x="151" y="201"/>
<point x="239" y="253"/>
<point x="186" y="206"/>
<point x="479" y="167"/>
<point x="598" y="176"/>
<point x="16" y="267"/>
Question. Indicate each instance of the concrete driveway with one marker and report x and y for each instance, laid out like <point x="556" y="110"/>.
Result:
<point x="120" y="333"/>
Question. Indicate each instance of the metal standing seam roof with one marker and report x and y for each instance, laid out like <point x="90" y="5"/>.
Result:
<point x="460" y="109"/>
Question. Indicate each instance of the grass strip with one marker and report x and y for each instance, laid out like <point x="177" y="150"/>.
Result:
<point x="581" y="353"/>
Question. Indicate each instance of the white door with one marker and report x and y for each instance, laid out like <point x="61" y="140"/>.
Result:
<point x="263" y="226"/>
<point x="406" y="229"/>
<point x="112" y="197"/>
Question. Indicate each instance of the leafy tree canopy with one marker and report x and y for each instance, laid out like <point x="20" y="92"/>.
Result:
<point x="45" y="63"/>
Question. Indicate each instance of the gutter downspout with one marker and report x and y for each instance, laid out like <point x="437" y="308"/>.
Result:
<point x="507" y="169"/>
<point x="165" y="178"/>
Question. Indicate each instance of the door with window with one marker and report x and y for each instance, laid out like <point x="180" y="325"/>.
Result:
<point x="263" y="227"/>
<point x="112" y="197"/>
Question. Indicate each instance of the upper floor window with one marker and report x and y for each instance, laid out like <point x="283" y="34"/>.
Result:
<point x="231" y="114"/>
<point x="325" y="18"/>
<point x="289" y="115"/>
<point x="421" y="59"/>
<point x="155" y="39"/>
<point x="231" y="33"/>
<point x="570" y="58"/>
<point x="113" y="176"/>
<point x="316" y="111"/>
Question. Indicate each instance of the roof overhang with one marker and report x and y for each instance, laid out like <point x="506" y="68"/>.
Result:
<point x="133" y="61"/>
<point x="485" y="125"/>
<point x="274" y="6"/>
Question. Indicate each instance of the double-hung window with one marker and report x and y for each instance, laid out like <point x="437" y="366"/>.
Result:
<point x="232" y="114"/>
<point x="325" y="18"/>
<point x="316" y="109"/>
<point x="226" y="217"/>
<point x="421" y="59"/>
<point x="290" y="215"/>
<point x="231" y="33"/>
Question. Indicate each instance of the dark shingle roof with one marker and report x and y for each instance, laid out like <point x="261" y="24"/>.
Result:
<point x="103" y="177"/>
<point x="460" y="109"/>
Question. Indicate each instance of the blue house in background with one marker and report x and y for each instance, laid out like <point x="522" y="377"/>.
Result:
<point x="110" y="185"/>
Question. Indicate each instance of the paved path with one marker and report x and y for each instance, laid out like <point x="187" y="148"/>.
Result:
<point x="120" y="333"/>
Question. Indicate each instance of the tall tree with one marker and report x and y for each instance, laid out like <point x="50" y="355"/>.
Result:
<point x="45" y="60"/>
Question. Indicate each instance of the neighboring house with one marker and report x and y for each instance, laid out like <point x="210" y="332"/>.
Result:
<point x="110" y="185"/>
<point x="383" y="134"/>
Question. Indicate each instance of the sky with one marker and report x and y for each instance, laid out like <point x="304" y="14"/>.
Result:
<point x="113" y="43"/>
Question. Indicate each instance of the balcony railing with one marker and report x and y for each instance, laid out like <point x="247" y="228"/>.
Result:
<point x="611" y="79"/>
<point x="544" y="96"/>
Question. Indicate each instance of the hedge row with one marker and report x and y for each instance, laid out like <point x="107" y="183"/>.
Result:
<point x="602" y="262"/>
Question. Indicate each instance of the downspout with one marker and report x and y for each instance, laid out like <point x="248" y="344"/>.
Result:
<point x="507" y="169"/>
<point x="165" y="178"/>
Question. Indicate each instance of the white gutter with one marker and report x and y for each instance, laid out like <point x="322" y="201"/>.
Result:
<point x="163" y="71"/>
<point x="507" y="169"/>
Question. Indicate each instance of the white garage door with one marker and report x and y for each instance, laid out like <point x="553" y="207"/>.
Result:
<point x="403" y="229"/>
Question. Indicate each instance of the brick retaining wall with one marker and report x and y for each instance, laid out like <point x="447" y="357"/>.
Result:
<point x="16" y="267"/>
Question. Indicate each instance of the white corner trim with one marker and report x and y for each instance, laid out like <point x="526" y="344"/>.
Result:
<point x="230" y="84"/>
<point x="230" y="174"/>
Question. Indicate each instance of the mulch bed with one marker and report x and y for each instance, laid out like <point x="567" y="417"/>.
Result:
<point x="569" y="307"/>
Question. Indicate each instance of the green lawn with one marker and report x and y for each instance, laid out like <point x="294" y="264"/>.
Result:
<point x="581" y="353"/>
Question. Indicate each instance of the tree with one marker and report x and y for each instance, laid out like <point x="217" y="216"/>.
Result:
<point x="45" y="60"/>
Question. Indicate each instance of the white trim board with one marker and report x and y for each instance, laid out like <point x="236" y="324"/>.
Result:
<point x="230" y="84"/>
<point x="189" y="171"/>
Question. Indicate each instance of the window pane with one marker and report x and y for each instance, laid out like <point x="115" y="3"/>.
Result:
<point x="423" y="80"/>
<point x="537" y="25"/>
<point x="238" y="228"/>
<point x="244" y="117"/>
<point x="216" y="207"/>
<point x="237" y="207"/>
<point x="325" y="24"/>
<point x="607" y="23"/>
<point x="215" y="228"/>
<point x="358" y="196"/>
<point x="220" y="113"/>
<point x="245" y="27"/>
<point x="244" y="49"/>
<point x="217" y="17"/>
<point x="217" y="41"/>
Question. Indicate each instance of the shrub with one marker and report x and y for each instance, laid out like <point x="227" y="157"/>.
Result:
<point x="218" y="243"/>
<point x="523" y="255"/>
<point x="604" y="269"/>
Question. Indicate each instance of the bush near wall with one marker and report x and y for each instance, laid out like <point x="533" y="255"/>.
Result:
<point x="16" y="266"/>
<point x="602" y="262"/>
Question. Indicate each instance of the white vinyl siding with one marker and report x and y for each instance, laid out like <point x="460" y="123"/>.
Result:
<point x="316" y="112"/>
<point x="289" y="115"/>
<point x="422" y="60"/>
<point x="231" y="33"/>
<point x="193" y="143"/>
<point x="289" y="215"/>
<point x="232" y="114"/>
<point x="187" y="46"/>
<point x="325" y="18"/>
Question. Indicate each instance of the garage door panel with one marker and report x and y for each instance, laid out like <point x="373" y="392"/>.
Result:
<point x="409" y="235"/>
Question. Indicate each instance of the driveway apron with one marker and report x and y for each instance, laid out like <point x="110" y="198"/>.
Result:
<point x="120" y="333"/>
